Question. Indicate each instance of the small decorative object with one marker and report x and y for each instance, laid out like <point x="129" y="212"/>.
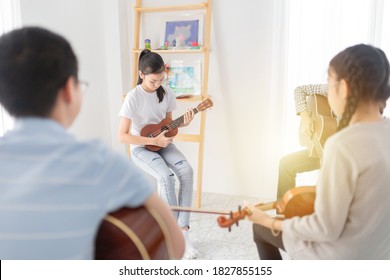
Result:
<point x="147" y="44"/>
<point x="195" y="45"/>
<point x="165" y="46"/>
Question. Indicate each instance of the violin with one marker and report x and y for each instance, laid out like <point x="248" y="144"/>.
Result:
<point x="298" y="201"/>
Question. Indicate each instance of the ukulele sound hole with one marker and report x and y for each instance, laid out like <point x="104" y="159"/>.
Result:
<point x="163" y="128"/>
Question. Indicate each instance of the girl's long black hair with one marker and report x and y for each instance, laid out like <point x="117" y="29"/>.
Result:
<point x="151" y="63"/>
<point x="366" y="69"/>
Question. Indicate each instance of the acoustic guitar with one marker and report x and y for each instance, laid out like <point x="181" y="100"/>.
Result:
<point x="133" y="234"/>
<point x="297" y="201"/>
<point x="324" y="123"/>
<point x="169" y="126"/>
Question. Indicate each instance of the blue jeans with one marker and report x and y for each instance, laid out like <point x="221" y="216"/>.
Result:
<point x="160" y="165"/>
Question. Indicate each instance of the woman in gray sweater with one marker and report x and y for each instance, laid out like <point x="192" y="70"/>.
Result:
<point x="351" y="213"/>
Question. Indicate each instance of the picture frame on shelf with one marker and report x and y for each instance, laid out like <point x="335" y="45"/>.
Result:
<point x="181" y="32"/>
<point x="184" y="79"/>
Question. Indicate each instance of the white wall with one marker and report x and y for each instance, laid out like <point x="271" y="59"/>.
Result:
<point x="240" y="155"/>
<point x="91" y="26"/>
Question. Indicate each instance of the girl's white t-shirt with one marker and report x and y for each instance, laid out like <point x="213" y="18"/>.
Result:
<point x="143" y="108"/>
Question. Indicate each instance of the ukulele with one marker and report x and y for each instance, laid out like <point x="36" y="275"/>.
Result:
<point x="325" y="124"/>
<point x="133" y="234"/>
<point x="298" y="201"/>
<point x="153" y="130"/>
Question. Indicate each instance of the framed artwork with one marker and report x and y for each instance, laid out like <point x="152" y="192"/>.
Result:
<point x="184" y="79"/>
<point x="181" y="32"/>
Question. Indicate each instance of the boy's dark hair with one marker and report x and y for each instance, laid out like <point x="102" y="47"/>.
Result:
<point x="34" y="64"/>
<point x="151" y="63"/>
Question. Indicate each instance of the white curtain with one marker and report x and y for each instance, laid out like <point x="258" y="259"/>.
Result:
<point x="319" y="29"/>
<point x="9" y="19"/>
<point x="315" y="31"/>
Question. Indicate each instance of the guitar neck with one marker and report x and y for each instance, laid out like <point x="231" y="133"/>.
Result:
<point x="179" y="121"/>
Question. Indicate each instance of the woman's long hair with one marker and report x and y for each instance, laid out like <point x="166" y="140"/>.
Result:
<point x="366" y="70"/>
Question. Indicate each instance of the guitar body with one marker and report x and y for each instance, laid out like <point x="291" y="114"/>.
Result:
<point x="133" y="234"/>
<point x="151" y="130"/>
<point x="323" y="122"/>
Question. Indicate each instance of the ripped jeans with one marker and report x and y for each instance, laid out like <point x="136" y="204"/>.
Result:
<point x="160" y="165"/>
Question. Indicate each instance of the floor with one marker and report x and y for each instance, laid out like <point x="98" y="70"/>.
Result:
<point x="216" y="243"/>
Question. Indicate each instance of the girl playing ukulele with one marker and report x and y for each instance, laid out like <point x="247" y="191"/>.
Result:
<point x="149" y="103"/>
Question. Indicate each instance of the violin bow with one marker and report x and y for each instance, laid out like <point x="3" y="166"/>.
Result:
<point x="197" y="210"/>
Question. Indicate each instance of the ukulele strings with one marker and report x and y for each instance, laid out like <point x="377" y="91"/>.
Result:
<point x="173" y="124"/>
<point x="170" y="126"/>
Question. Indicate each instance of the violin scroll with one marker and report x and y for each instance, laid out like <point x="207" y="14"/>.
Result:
<point x="234" y="217"/>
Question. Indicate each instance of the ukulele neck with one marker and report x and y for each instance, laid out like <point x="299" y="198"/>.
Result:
<point x="180" y="120"/>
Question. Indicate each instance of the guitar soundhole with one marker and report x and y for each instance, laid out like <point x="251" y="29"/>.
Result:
<point x="163" y="128"/>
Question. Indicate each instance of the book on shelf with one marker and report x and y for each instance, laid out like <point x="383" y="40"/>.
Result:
<point x="184" y="79"/>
